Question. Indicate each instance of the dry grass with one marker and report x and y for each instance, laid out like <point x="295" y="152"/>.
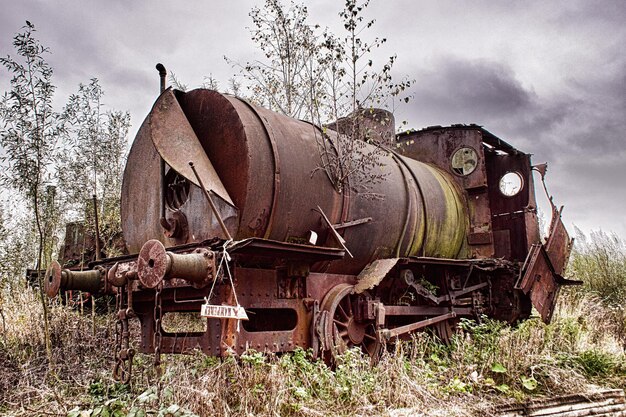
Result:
<point x="27" y="380"/>
<point x="486" y="364"/>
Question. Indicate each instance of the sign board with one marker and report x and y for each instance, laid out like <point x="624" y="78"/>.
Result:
<point x="223" y="312"/>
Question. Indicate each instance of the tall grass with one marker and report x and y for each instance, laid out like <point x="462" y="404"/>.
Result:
<point x="486" y="363"/>
<point x="600" y="261"/>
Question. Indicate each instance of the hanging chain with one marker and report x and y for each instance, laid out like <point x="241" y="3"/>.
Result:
<point x="118" y="322"/>
<point x="124" y="354"/>
<point x="156" y="338"/>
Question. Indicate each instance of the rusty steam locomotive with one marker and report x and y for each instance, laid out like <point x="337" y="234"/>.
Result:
<point x="252" y="235"/>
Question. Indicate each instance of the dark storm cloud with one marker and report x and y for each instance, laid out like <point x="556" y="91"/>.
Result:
<point x="589" y="116"/>
<point x="456" y="90"/>
<point x="472" y="88"/>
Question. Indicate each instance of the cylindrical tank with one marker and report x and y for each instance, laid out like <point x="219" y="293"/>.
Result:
<point x="269" y="164"/>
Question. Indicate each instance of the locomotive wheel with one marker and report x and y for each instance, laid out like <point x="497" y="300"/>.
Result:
<point x="344" y="330"/>
<point x="444" y="330"/>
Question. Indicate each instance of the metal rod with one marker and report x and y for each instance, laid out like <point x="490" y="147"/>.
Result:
<point x="352" y="223"/>
<point x="210" y="200"/>
<point x="424" y="311"/>
<point x="388" y="334"/>
<point x="162" y="75"/>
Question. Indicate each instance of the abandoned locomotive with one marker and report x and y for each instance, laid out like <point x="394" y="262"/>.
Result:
<point x="226" y="212"/>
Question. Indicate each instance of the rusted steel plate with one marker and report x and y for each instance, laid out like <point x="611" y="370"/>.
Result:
<point x="559" y="244"/>
<point x="510" y="224"/>
<point x="139" y="204"/>
<point x="374" y="273"/>
<point x="177" y="143"/>
<point x="540" y="281"/>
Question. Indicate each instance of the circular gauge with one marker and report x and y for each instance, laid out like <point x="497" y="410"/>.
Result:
<point x="511" y="184"/>
<point x="464" y="161"/>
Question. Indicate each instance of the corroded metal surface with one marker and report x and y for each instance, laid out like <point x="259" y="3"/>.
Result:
<point x="152" y="264"/>
<point x="440" y="243"/>
<point x="264" y="160"/>
<point x="176" y="142"/>
<point x="373" y="274"/>
<point x="540" y="282"/>
<point x="559" y="245"/>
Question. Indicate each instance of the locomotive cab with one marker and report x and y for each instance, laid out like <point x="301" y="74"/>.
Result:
<point x="500" y="192"/>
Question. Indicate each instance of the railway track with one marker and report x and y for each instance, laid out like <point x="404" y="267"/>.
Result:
<point x="605" y="403"/>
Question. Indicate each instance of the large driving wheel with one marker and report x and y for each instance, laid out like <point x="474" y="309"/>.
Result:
<point x="345" y="326"/>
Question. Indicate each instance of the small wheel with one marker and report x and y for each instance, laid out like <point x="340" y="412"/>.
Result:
<point x="345" y="328"/>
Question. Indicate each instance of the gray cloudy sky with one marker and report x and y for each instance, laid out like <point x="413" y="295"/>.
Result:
<point x="547" y="76"/>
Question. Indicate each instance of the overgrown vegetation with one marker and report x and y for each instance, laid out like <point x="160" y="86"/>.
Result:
<point x="486" y="363"/>
<point x="600" y="261"/>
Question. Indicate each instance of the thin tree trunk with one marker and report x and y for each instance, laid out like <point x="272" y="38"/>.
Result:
<point x="42" y="295"/>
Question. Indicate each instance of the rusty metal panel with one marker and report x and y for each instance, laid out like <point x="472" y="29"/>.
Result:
<point x="177" y="143"/>
<point x="240" y="151"/>
<point x="263" y="294"/>
<point x="502" y="242"/>
<point x="436" y="146"/>
<point x="480" y="238"/>
<point x="374" y="273"/>
<point x="139" y="204"/>
<point x="480" y="224"/>
<point x="559" y="245"/>
<point x="509" y="213"/>
<point x="540" y="281"/>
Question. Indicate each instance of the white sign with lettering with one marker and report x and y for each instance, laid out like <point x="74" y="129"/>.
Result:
<point x="223" y="312"/>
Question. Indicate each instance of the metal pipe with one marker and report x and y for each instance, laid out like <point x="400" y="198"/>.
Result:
<point x="155" y="264"/>
<point x="57" y="278"/>
<point x="162" y="75"/>
<point x="388" y="334"/>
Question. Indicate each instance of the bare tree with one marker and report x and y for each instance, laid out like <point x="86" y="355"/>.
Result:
<point x="286" y="79"/>
<point x="29" y="134"/>
<point x="329" y="80"/>
<point x="95" y="154"/>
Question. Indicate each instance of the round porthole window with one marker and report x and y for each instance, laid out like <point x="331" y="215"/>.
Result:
<point x="464" y="161"/>
<point x="511" y="184"/>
